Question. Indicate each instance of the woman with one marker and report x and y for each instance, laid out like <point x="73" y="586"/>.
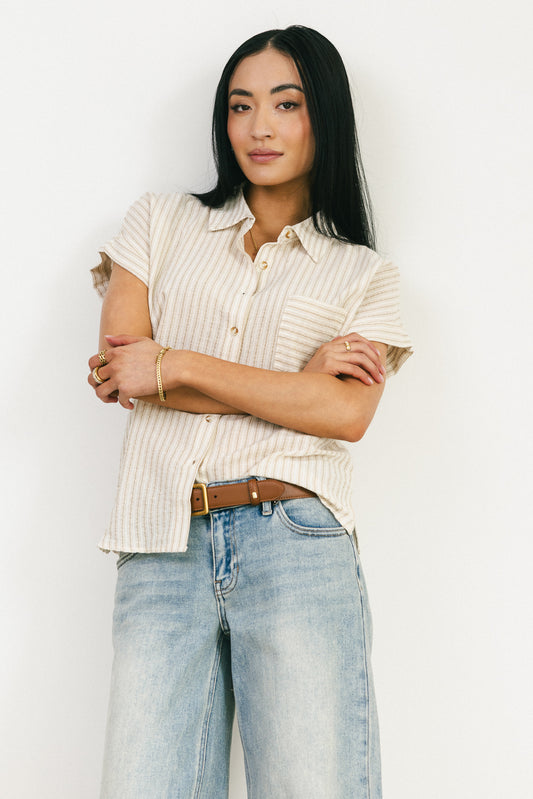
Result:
<point x="239" y="580"/>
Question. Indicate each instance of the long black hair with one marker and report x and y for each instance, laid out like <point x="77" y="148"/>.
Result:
<point x="340" y="201"/>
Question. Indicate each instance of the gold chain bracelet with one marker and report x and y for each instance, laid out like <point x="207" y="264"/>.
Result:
<point x="161" y="390"/>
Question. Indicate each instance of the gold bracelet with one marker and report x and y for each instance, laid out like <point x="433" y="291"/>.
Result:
<point x="162" y="392"/>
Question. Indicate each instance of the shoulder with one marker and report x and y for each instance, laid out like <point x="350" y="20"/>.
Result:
<point x="170" y="207"/>
<point x="356" y="260"/>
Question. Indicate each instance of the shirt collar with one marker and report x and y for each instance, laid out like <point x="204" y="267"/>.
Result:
<point x="236" y="210"/>
<point x="233" y="211"/>
<point x="313" y="242"/>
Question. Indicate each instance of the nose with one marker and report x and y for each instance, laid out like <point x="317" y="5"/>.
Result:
<point x="261" y="125"/>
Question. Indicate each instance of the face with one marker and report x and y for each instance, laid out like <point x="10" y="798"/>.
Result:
<point x="268" y="121"/>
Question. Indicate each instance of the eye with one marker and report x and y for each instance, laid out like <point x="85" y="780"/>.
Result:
<point x="288" y="105"/>
<point x="239" y="107"/>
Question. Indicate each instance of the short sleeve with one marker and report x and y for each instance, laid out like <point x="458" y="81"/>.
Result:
<point x="376" y="315"/>
<point x="130" y="249"/>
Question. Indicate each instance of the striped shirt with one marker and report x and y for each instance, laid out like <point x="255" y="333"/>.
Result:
<point x="206" y="294"/>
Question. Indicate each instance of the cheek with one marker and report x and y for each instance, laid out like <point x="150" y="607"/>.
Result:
<point x="231" y="133"/>
<point x="307" y="141"/>
<point x="301" y="135"/>
<point x="234" y="131"/>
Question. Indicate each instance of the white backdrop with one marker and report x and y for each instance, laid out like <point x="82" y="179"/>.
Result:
<point x="104" y="100"/>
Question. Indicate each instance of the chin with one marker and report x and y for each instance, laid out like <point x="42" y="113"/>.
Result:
<point x="257" y="179"/>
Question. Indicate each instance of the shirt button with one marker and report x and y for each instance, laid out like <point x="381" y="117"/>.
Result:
<point x="234" y="331"/>
<point x="207" y="418"/>
<point x="263" y="265"/>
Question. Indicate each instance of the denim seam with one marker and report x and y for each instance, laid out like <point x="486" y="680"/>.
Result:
<point x="250" y="793"/>
<point x="209" y="710"/>
<point x="124" y="557"/>
<point x="220" y="593"/>
<point x="234" y="564"/>
<point x="317" y="532"/>
<point x="367" y="687"/>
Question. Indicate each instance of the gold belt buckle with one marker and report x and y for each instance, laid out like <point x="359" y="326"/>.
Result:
<point x="205" y="511"/>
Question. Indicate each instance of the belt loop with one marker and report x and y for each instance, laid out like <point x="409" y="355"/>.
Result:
<point x="266" y="508"/>
<point x="253" y="490"/>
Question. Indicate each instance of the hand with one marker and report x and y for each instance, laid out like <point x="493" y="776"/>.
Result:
<point x="361" y="360"/>
<point x="129" y="371"/>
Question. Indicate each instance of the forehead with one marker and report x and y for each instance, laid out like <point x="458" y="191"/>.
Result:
<point x="264" y="70"/>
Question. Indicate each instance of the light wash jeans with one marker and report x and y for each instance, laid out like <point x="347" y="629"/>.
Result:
<point x="267" y="612"/>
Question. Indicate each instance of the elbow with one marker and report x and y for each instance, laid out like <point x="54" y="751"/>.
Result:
<point x="357" y="426"/>
<point x="354" y="432"/>
<point x="359" y="419"/>
<point x="350" y="419"/>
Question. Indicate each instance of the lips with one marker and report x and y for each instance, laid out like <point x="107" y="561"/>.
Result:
<point x="264" y="156"/>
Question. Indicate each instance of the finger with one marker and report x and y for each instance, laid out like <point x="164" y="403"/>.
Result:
<point x="365" y="347"/>
<point x="94" y="360"/>
<point x="369" y="366"/>
<point x="126" y="402"/>
<point x="359" y="374"/>
<point x="364" y="362"/>
<point x="93" y="381"/>
<point x="343" y="365"/>
<point x="103" y="372"/>
<point x="357" y="365"/>
<point x="122" y="340"/>
<point x="108" y="398"/>
<point x="355" y="337"/>
<point x="349" y="370"/>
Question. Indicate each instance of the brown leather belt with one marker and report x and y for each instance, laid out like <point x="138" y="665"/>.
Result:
<point x="207" y="498"/>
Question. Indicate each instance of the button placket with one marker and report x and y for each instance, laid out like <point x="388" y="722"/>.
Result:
<point x="237" y="310"/>
<point x="264" y="266"/>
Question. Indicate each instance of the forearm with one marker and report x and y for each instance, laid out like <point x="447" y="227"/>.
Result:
<point x="125" y="307"/>
<point x="313" y="403"/>
<point x="310" y="401"/>
<point x="191" y="401"/>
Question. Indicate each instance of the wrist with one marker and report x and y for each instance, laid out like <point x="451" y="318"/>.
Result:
<point x="158" y="376"/>
<point x="176" y="369"/>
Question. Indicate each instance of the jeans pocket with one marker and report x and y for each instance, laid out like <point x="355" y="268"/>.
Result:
<point x="123" y="557"/>
<point x="308" y="517"/>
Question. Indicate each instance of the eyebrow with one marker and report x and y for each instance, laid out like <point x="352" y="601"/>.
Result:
<point x="281" y="88"/>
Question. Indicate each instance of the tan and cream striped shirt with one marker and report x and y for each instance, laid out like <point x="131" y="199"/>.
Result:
<point x="206" y="294"/>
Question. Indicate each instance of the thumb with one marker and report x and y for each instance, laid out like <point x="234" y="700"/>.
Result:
<point x="122" y="340"/>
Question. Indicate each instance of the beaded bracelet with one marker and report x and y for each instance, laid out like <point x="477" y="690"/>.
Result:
<point x="161" y="390"/>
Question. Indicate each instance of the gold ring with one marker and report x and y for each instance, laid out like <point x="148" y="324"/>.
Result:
<point x="96" y="375"/>
<point x="348" y="346"/>
<point x="101" y="355"/>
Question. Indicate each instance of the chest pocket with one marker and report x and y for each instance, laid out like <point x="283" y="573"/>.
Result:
<point x="305" y="325"/>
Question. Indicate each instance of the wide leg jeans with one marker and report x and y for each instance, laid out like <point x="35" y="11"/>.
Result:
<point x="267" y="612"/>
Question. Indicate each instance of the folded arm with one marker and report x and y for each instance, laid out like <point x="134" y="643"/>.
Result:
<point x="313" y="401"/>
<point x="126" y="307"/>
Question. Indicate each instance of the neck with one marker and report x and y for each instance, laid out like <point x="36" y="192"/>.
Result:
<point x="277" y="206"/>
